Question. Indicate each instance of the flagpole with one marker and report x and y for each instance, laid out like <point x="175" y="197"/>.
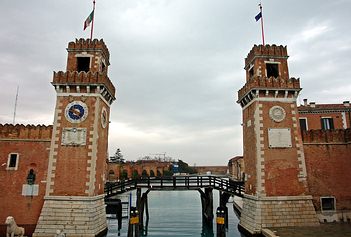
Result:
<point x="261" y="23"/>
<point x="92" y="23"/>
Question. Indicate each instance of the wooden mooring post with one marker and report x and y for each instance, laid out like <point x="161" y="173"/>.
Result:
<point x="143" y="206"/>
<point x="207" y="208"/>
<point x="223" y="200"/>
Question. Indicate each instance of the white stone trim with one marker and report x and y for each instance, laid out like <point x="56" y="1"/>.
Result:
<point x="258" y="128"/>
<point x="270" y="99"/>
<point x="302" y="175"/>
<point x="54" y="145"/>
<point x="343" y="116"/>
<point x="8" y="161"/>
<point x="94" y="136"/>
<point x="64" y="94"/>
<point x="279" y="198"/>
<point x="304" y="118"/>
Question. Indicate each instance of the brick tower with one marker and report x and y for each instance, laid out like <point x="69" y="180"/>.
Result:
<point x="276" y="186"/>
<point x="74" y="199"/>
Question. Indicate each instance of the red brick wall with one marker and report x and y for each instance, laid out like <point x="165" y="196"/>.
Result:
<point x="213" y="169"/>
<point x="72" y="158"/>
<point x="250" y="151"/>
<point x="32" y="143"/>
<point x="328" y="163"/>
<point x="281" y="164"/>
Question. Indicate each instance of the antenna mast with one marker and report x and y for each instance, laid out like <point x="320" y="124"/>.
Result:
<point x="14" y="112"/>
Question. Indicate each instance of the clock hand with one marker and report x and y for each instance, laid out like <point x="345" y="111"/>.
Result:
<point x="75" y="111"/>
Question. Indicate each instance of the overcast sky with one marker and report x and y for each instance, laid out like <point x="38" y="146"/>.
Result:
<point x="177" y="65"/>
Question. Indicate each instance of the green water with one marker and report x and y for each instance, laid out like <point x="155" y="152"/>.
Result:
<point x="177" y="213"/>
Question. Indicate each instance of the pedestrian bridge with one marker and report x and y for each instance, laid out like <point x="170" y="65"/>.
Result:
<point x="203" y="184"/>
<point x="220" y="183"/>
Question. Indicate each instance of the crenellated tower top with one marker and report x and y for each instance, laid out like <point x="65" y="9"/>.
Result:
<point x="83" y="49"/>
<point x="267" y="75"/>
<point x="87" y="70"/>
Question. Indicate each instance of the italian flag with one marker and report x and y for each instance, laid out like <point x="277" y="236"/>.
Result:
<point x="89" y="20"/>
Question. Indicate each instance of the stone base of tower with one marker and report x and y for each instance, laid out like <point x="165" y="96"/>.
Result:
<point x="75" y="216"/>
<point x="264" y="212"/>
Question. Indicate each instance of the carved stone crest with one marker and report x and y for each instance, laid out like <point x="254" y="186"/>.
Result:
<point x="277" y="113"/>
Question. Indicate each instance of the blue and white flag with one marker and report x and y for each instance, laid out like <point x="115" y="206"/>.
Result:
<point x="258" y="16"/>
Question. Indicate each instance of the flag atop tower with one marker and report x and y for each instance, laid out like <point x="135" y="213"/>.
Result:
<point x="258" y="16"/>
<point x="89" y="20"/>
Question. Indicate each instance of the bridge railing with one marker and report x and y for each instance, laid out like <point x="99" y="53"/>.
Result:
<point x="176" y="183"/>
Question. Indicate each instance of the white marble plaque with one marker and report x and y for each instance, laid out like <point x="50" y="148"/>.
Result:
<point x="74" y="136"/>
<point x="30" y="190"/>
<point x="279" y="138"/>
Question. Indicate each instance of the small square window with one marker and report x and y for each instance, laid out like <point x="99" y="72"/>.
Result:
<point x="327" y="203"/>
<point x="83" y="64"/>
<point x="272" y="70"/>
<point x="12" y="162"/>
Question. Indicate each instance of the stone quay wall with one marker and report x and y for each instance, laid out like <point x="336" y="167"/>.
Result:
<point x="74" y="216"/>
<point x="280" y="211"/>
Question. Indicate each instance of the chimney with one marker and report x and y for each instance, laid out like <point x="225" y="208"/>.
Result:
<point x="346" y="103"/>
<point x="305" y="102"/>
<point x="313" y="104"/>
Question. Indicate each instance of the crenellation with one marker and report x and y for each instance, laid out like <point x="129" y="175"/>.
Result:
<point x="267" y="84"/>
<point x="266" y="51"/>
<point x="85" y="44"/>
<point x="26" y="132"/>
<point x="75" y="79"/>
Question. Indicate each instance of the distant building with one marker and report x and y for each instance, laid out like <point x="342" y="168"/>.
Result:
<point x="324" y="116"/>
<point x="236" y="167"/>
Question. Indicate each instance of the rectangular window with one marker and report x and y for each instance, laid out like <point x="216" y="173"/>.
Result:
<point x="12" y="161"/>
<point x="272" y="70"/>
<point x="303" y="124"/>
<point x="327" y="123"/>
<point x="327" y="203"/>
<point x="251" y="72"/>
<point x="83" y="64"/>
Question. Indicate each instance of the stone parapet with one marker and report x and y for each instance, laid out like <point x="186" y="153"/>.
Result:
<point x="281" y="211"/>
<point x="25" y="132"/>
<point x="74" y="78"/>
<point x="264" y="83"/>
<point x="341" y="136"/>
<point x="73" y="215"/>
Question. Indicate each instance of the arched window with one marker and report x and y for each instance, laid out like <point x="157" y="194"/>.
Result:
<point x="31" y="177"/>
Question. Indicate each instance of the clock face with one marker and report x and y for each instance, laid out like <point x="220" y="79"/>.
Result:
<point x="76" y="112"/>
<point x="104" y="118"/>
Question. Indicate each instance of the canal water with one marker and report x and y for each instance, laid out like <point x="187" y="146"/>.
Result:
<point x="176" y="213"/>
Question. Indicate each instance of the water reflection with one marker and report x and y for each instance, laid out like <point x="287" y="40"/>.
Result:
<point x="177" y="213"/>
